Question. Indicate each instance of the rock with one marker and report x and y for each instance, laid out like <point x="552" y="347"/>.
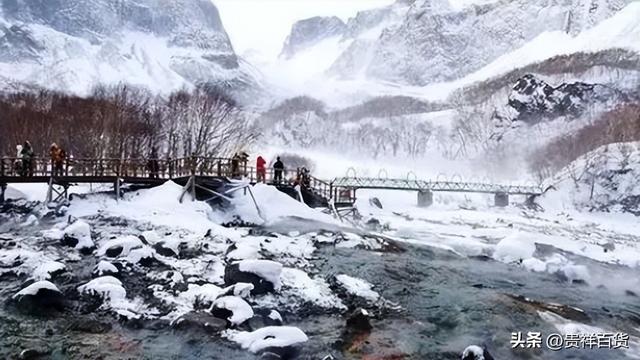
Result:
<point x="113" y="251"/>
<point x="263" y="318"/>
<point x="264" y="275"/>
<point x="358" y="321"/>
<point x="161" y="249"/>
<point x="78" y="235"/>
<point x="374" y="201"/>
<point x="233" y="309"/>
<point x="475" y="352"/>
<point x="104" y="268"/>
<point x="29" y="354"/>
<point x="200" y="321"/>
<point x="39" y="298"/>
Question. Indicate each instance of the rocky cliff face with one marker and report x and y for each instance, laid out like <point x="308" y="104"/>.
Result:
<point x="160" y="44"/>
<point x="419" y="42"/>
<point x="310" y="31"/>
<point x="534" y="100"/>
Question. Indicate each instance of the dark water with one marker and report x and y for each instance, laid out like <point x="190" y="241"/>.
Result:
<point x="448" y="302"/>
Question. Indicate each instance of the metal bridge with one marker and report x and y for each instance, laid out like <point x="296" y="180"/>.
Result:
<point x="427" y="185"/>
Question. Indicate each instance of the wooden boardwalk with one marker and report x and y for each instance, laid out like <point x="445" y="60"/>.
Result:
<point x="151" y="172"/>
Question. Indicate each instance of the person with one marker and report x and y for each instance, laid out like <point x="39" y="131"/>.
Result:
<point x="278" y="169"/>
<point x="152" y="164"/>
<point x="57" y="159"/>
<point x="235" y="165"/>
<point x="17" y="165"/>
<point x="261" y="169"/>
<point x="305" y="178"/>
<point x="27" y="159"/>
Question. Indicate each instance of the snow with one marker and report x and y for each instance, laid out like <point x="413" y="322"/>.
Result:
<point x="35" y="287"/>
<point x="44" y="271"/>
<point x="266" y="269"/>
<point x="81" y="231"/>
<point x="241" y="310"/>
<point x="314" y="290"/>
<point x="105" y="267"/>
<point x="515" y="247"/>
<point x="128" y="244"/>
<point x="270" y="336"/>
<point x="107" y="287"/>
<point x="274" y="205"/>
<point x="358" y="287"/>
<point x="274" y="315"/>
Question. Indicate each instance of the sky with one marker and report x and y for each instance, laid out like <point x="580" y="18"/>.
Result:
<point x="263" y="25"/>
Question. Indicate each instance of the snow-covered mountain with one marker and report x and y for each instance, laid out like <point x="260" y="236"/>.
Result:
<point x="421" y="42"/>
<point x="74" y="45"/>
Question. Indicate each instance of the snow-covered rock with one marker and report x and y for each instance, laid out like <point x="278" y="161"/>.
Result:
<point x="48" y="270"/>
<point x="515" y="247"/>
<point x="78" y="235"/>
<point x="39" y="298"/>
<point x="264" y="275"/>
<point x="268" y="337"/>
<point x="232" y="308"/>
<point x="120" y="247"/>
<point x="357" y="287"/>
<point x="475" y="352"/>
<point x="108" y="288"/>
<point x="104" y="268"/>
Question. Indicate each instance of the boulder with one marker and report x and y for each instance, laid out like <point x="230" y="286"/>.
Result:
<point x="263" y="318"/>
<point x="78" y="235"/>
<point x="233" y="309"/>
<point x="39" y="298"/>
<point x="358" y="321"/>
<point x="264" y="275"/>
<point x="104" y="268"/>
<point x="200" y="321"/>
<point x="374" y="201"/>
<point x="164" y="250"/>
<point x="475" y="352"/>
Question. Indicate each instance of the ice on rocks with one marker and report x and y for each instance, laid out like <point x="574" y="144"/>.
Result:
<point x="267" y="337"/>
<point x="357" y="287"/>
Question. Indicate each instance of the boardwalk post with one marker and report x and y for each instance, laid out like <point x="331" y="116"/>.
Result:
<point x="3" y="188"/>
<point x="170" y="162"/>
<point x="425" y="198"/>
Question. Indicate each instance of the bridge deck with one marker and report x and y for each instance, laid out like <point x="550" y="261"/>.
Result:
<point x="421" y="185"/>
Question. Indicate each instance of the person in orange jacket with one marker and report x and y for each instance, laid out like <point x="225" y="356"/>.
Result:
<point x="261" y="169"/>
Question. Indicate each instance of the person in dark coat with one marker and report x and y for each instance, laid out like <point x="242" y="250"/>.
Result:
<point x="152" y="164"/>
<point x="235" y="165"/>
<point x="27" y="159"/>
<point x="278" y="169"/>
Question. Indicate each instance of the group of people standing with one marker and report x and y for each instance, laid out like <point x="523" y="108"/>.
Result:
<point x="302" y="176"/>
<point x="25" y="156"/>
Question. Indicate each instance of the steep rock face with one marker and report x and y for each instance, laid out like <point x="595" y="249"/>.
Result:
<point x="443" y="45"/>
<point x="310" y="31"/>
<point x="73" y="45"/>
<point x="418" y="42"/>
<point x="534" y="100"/>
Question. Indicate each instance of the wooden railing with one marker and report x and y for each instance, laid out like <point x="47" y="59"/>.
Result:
<point x="164" y="169"/>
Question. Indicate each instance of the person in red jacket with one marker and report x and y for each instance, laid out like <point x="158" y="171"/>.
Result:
<point x="261" y="169"/>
